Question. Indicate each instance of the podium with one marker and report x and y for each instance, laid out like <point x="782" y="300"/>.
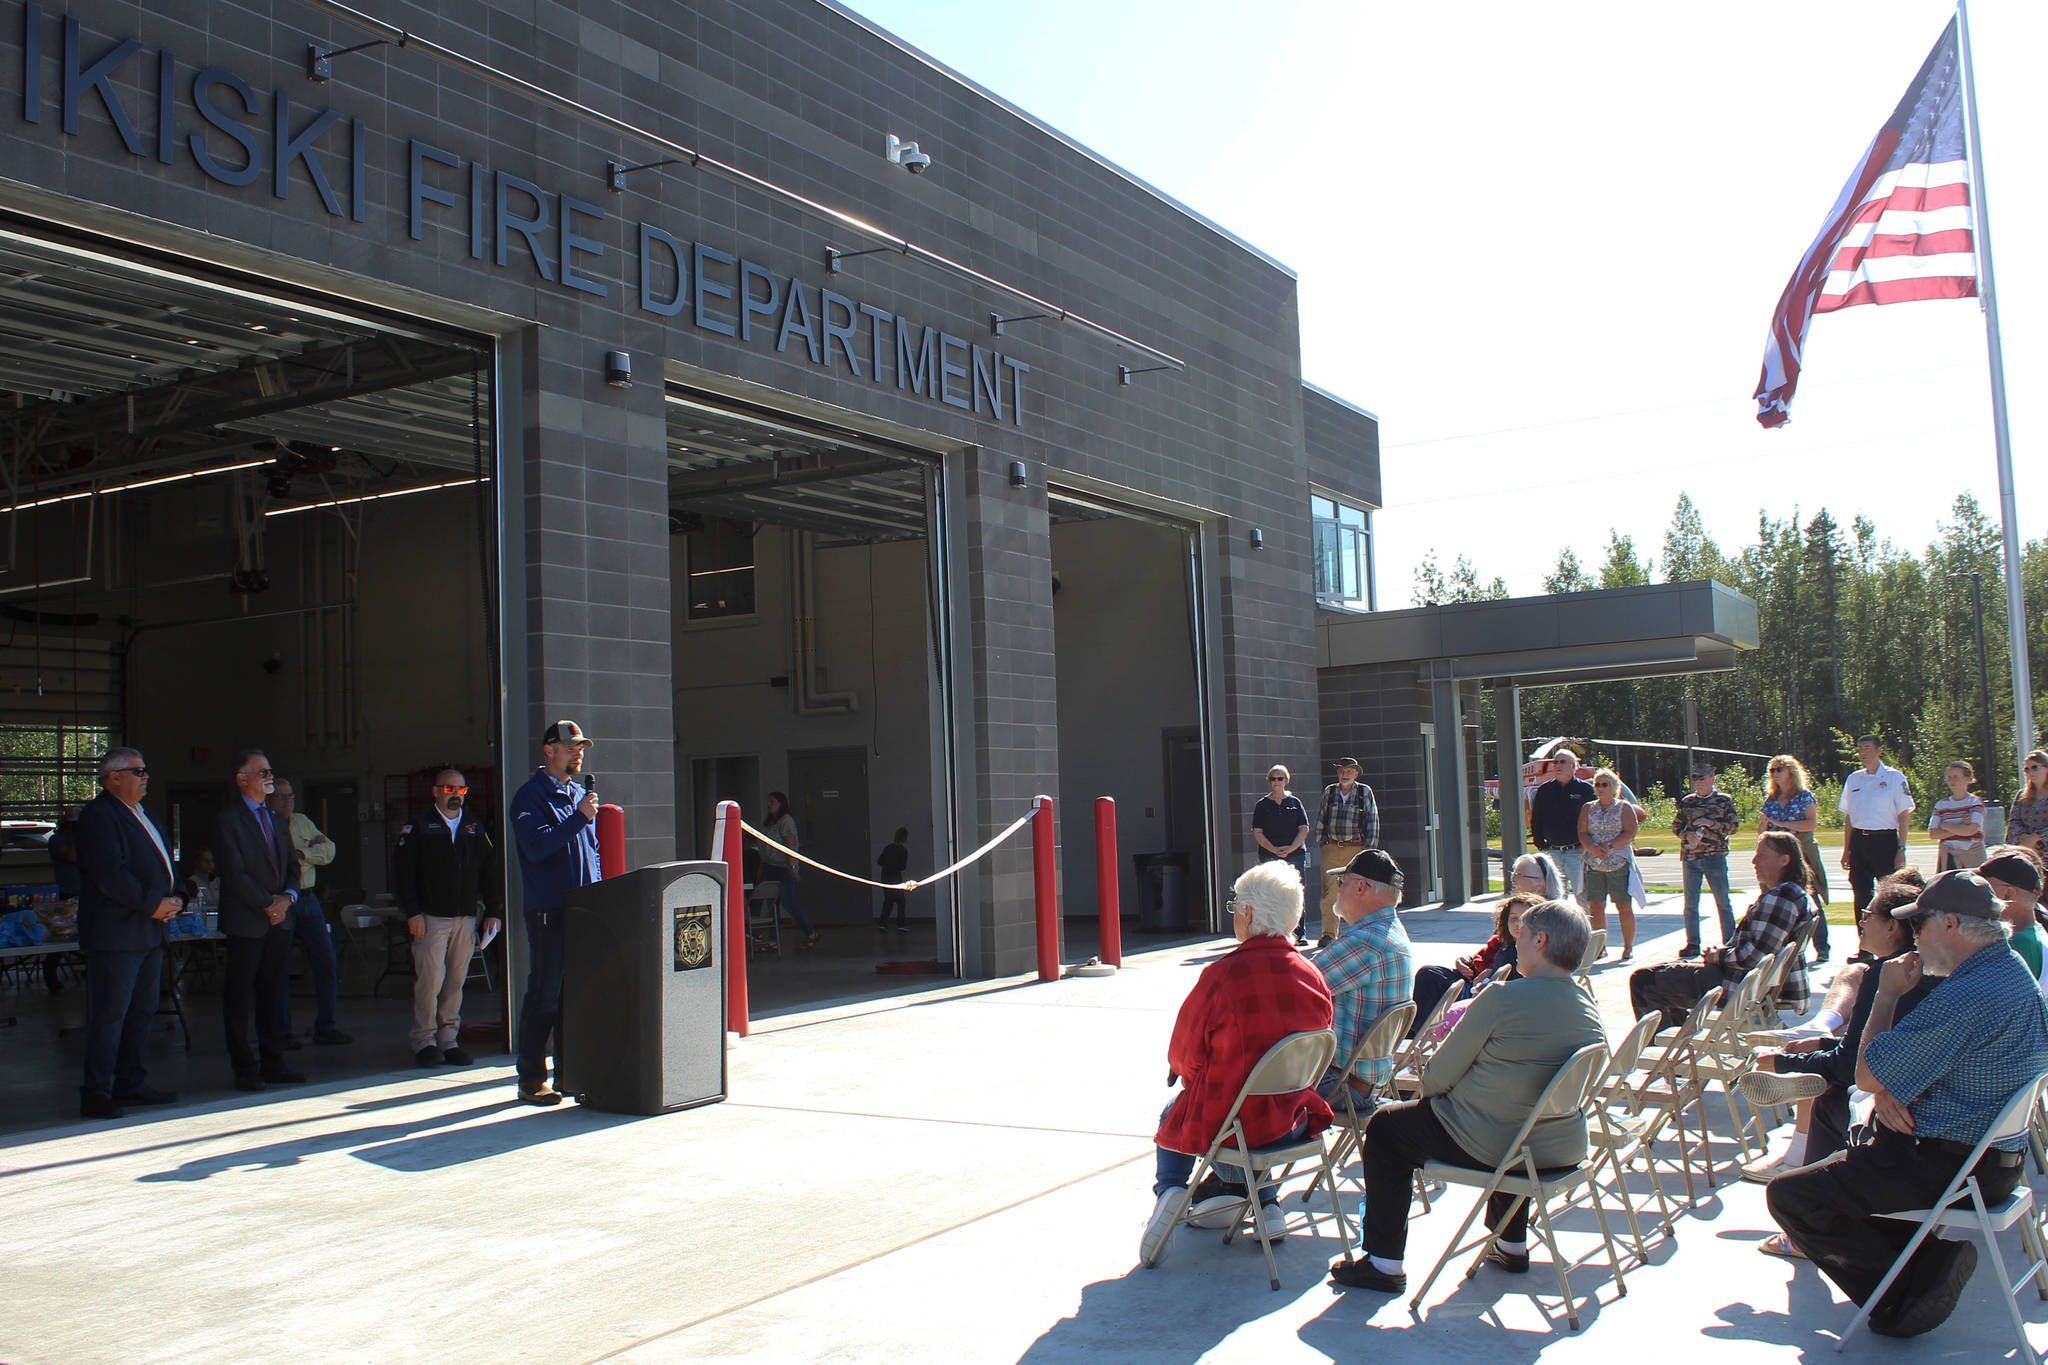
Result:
<point x="643" y="990"/>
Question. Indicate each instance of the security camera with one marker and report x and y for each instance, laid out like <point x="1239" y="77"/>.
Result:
<point x="906" y="155"/>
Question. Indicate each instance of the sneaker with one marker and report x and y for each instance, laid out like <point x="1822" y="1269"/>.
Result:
<point x="902" y="928"/>
<point x="428" y="1056"/>
<point x="1950" y="1267"/>
<point x="1689" y="950"/>
<point x="1166" y="1211"/>
<point x="331" y="1037"/>
<point x="542" y="1094"/>
<point x="1514" y="1262"/>
<point x="455" y="1056"/>
<point x="1763" y="1172"/>
<point x="145" y="1095"/>
<point x="1361" y="1274"/>
<point x="1768" y="1088"/>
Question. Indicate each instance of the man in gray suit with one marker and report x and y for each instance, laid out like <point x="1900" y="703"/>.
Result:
<point x="259" y="880"/>
<point x="124" y="901"/>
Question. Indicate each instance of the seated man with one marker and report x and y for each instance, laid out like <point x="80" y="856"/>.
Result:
<point x="1370" y="968"/>
<point x="1476" y="1093"/>
<point x="1766" y="927"/>
<point x="1243" y="1003"/>
<point x="1939" y="1077"/>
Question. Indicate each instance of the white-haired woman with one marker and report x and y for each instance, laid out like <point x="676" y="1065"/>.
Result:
<point x="1243" y="1003"/>
<point x="1534" y="874"/>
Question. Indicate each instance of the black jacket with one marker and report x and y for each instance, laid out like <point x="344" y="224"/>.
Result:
<point x="122" y="879"/>
<point x="433" y="874"/>
<point x="251" y="875"/>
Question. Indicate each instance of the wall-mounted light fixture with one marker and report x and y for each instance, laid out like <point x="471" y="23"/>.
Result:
<point x="618" y="369"/>
<point x="1258" y="539"/>
<point x="1016" y="473"/>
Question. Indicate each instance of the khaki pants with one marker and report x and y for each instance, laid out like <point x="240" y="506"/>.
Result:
<point x="1335" y="858"/>
<point x="440" y="964"/>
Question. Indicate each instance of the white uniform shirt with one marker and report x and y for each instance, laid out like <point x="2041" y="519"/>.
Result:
<point x="1875" y="801"/>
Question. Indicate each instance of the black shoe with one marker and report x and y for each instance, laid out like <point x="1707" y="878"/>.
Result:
<point x="283" y="1075"/>
<point x="455" y="1056"/>
<point x="1689" y="950"/>
<point x="331" y="1037"/>
<point x="1951" y="1265"/>
<point x="250" y="1083"/>
<point x="1326" y="940"/>
<point x="292" y="1043"/>
<point x="542" y="1094"/>
<point x="428" y="1056"/>
<point x="1514" y="1262"/>
<point x="1360" y="1274"/>
<point x="145" y="1095"/>
<point x="99" y="1107"/>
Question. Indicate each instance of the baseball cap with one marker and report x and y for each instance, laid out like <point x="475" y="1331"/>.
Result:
<point x="2014" y="869"/>
<point x="565" y="732"/>
<point x="1703" y="770"/>
<point x="1958" y="892"/>
<point x="1346" y="763"/>
<point x="1374" y="863"/>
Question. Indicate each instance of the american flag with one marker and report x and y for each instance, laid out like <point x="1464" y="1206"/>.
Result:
<point x="1903" y="228"/>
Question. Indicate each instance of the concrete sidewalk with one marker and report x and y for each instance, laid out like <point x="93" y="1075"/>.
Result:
<point x="958" y="1175"/>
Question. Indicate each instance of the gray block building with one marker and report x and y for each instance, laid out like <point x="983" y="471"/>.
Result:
<point x="384" y="389"/>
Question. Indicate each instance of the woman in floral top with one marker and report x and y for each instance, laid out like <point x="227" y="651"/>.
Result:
<point x="2027" y="824"/>
<point x="1789" y="806"/>
<point x="1607" y="837"/>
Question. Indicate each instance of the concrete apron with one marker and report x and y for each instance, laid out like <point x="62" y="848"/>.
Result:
<point x="960" y="1175"/>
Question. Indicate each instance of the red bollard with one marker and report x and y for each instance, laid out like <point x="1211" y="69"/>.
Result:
<point x="611" y="840"/>
<point x="727" y="840"/>
<point x="1045" y="886"/>
<point x="1106" y="895"/>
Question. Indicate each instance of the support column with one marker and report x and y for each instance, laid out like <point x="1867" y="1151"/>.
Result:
<point x="1507" y="734"/>
<point x="1454" y="804"/>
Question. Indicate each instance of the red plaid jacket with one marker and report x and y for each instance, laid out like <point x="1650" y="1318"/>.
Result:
<point x="1242" y="1005"/>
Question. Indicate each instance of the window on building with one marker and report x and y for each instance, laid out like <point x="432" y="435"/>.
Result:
<point x="47" y="769"/>
<point x="720" y="556"/>
<point x="1343" y="549"/>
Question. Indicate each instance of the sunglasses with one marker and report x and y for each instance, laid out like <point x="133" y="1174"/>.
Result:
<point x="1275" y="777"/>
<point x="261" y="772"/>
<point x="139" y="772"/>
<point x="452" y="791"/>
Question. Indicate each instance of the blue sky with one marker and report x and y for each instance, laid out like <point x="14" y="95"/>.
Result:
<point x="1543" y="243"/>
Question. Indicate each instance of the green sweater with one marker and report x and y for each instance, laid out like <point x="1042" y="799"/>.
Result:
<point x="2027" y="943"/>
<point x="1489" y="1072"/>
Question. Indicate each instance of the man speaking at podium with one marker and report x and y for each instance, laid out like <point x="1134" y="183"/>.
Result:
<point x="554" y="826"/>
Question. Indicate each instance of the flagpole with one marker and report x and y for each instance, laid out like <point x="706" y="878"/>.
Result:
<point x="2015" y="607"/>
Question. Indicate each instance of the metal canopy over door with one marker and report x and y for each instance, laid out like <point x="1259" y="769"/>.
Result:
<point x="828" y="794"/>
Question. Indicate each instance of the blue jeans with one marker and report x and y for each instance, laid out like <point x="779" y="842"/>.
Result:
<point x="1571" y="865"/>
<point x="540" y="1012"/>
<point x="121" y="994"/>
<point x="309" y="926"/>
<point x="1715" y="870"/>
<point x="1173" y="1170"/>
<point x="786" y="879"/>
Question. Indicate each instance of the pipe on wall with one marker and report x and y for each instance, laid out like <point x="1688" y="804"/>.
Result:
<point x="809" y="701"/>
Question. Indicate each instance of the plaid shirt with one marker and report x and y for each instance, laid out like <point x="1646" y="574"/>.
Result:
<point x="1765" y="928"/>
<point x="1371" y="969"/>
<point x="1957" y="1059"/>
<point x="1349" y="820"/>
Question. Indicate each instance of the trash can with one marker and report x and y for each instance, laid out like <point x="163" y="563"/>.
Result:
<point x="1162" y="891"/>
<point x="643" y="990"/>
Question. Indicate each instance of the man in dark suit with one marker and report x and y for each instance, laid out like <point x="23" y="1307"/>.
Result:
<point x="124" y="901"/>
<point x="259" y="880"/>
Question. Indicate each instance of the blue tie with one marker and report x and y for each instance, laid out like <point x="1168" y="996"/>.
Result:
<point x="269" y="836"/>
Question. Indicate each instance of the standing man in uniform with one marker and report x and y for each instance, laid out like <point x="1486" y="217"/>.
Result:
<point x="1349" y="824"/>
<point x="444" y="870"/>
<point x="554" y="824"/>
<point x="1878" y="807"/>
<point x="124" y="902"/>
<point x="1554" y="819"/>
<point x="309" y="923"/>
<point x="259" y="880"/>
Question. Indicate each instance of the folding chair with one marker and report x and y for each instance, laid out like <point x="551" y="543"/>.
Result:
<point x="1381" y="1043"/>
<point x="1596" y="948"/>
<point x="1621" y="1136"/>
<point x="764" y="916"/>
<point x="1294" y="1063"/>
<point x="1723" y="1056"/>
<point x="1987" y="1220"/>
<point x="1408" y="1063"/>
<point x="1570" y="1091"/>
<point x="1670" y="1087"/>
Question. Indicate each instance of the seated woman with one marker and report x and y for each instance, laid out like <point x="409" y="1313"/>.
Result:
<point x="1243" y="1003"/>
<point x="1477" y="1091"/>
<point x="1432" y="982"/>
<point x="1534" y="874"/>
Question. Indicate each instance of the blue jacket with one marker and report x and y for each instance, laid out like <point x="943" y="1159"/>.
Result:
<point x="557" y="846"/>
<point x="122" y="879"/>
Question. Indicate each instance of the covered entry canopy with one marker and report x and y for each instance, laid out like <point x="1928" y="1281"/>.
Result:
<point x="1608" y="635"/>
